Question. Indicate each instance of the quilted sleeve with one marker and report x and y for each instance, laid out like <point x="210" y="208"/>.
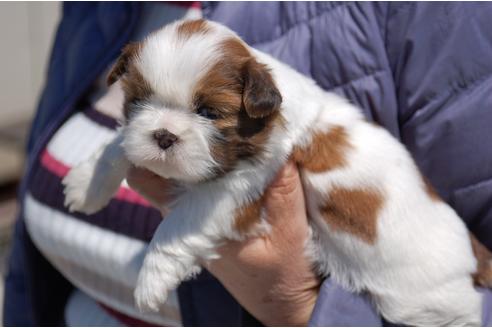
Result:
<point x="336" y="307"/>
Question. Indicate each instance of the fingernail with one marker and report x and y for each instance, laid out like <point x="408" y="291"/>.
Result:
<point x="286" y="173"/>
<point x="289" y="168"/>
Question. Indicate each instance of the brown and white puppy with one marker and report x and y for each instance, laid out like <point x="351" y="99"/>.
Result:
<point x="221" y="118"/>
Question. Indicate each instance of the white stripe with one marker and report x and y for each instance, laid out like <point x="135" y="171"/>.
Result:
<point x="81" y="134"/>
<point x="114" y="295"/>
<point x="100" y="262"/>
<point x="107" y="252"/>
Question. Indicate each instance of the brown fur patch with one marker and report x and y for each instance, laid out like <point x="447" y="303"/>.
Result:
<point x="248" y="216"/>
<point x="188" y="28"/>
<point x="327" y="151"/>
<point x="354" y="211"/>
<point x="429" y="189"/>
<point x="221" y="90"/>
<point x="135" y="88"/>
<point x="134" y="85"/>
<point x="129" y="52"/>
<point x="261" y="97"/>
<point x="483" y="276"/>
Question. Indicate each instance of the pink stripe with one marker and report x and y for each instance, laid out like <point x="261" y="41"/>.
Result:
<point x="186" y="4"/>
<point x="60" y="169"/>
<point x="125" y="319"/>
<point x="52" y="165"/>
<point x="131" y="196"/>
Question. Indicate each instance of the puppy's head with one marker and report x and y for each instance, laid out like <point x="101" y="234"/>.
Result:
<point x="196" y="101"/>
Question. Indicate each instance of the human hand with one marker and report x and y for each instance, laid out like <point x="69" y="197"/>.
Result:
<point x="158" y="191"/>
<point x="269" y="275"/>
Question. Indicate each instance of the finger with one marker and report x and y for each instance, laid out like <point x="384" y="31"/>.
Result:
<point x="286" y="181"/>
<point x="284" y="202"/>
<point x="154" y="188"/>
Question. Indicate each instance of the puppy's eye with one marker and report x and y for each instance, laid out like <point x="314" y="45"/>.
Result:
<point x="136" y="101"/>
<point x="207" y="113"/>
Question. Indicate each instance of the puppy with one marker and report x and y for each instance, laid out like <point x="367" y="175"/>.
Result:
<point x="220" y="118"/>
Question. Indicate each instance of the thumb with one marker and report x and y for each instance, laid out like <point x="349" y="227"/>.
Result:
<point x="284" y="201"/>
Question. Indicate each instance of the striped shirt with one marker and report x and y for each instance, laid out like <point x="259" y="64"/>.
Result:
<point x="100" y="254"/>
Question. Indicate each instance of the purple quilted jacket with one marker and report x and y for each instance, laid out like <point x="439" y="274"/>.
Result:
<point x="422" y="70"/>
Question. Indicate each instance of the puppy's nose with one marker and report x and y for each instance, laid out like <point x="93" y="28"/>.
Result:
<point x="164" y="138"/>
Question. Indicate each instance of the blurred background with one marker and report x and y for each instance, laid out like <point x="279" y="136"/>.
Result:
<point x="27" y="31"/>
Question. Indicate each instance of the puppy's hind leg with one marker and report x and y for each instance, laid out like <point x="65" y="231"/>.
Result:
<point x="90" y="185"/>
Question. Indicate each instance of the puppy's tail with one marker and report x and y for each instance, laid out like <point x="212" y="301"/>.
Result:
<point x="483" y="276"/>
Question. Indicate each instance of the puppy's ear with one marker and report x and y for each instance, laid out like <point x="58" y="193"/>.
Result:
<point x="120" y="67"/>
<point x="261" y="97"/>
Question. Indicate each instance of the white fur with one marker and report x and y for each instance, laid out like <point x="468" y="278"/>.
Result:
<point x="418" y="270"/>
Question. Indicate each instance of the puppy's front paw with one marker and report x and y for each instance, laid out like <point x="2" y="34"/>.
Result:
<point x="83" y="192"/>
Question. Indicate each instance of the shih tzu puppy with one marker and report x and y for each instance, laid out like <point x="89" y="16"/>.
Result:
<point x="219" y="118"/>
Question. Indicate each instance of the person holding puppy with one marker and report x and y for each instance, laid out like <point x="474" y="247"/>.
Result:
<point x="269" y="277"/>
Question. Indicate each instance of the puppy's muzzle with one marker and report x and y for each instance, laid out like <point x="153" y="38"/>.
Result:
<point x="164" y="138"/>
